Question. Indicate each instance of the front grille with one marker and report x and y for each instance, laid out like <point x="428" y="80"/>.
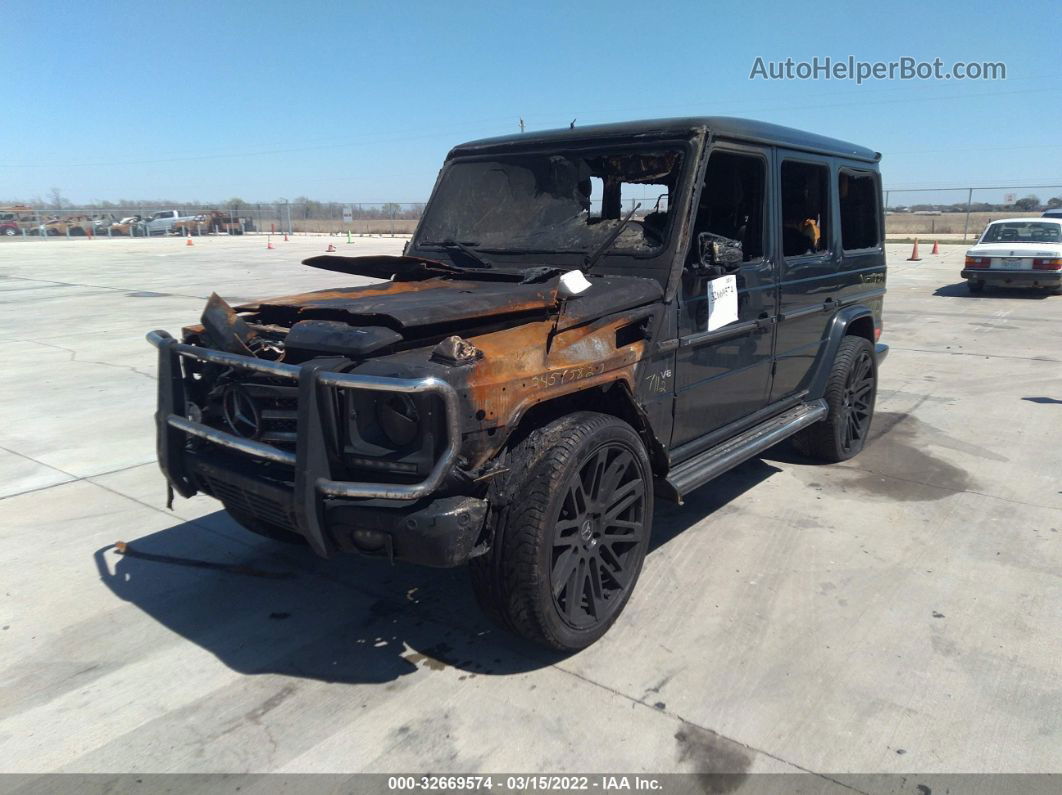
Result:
<point x="250" y="497"/>
<point x="278" y="402"/>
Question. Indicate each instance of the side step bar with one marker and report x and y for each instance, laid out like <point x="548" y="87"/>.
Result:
<point x="712" y="463"/>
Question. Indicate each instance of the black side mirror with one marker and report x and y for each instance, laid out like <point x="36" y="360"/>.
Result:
<point x="719" y="254"/>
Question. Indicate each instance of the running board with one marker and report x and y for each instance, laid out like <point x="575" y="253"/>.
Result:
<point x="712" y="463"/>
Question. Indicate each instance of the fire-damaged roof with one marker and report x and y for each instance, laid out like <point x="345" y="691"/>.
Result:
<point x="719" y="126"/>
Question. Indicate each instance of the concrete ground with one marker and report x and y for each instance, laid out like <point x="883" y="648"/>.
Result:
<point x="897" y="613"/>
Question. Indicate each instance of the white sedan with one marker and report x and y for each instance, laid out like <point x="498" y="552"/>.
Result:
<point x="1017" y="252"/>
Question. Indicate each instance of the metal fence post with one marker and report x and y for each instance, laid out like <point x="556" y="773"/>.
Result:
<point x="966" y="223"/>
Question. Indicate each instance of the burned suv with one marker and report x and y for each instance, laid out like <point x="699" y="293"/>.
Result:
<point x="585" y="320"/>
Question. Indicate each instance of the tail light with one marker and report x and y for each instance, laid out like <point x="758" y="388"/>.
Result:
<point x="1047" y="264"/>
<point x="977" y="262"/>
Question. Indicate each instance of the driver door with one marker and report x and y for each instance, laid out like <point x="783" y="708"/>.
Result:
<point x="725" y="374"/>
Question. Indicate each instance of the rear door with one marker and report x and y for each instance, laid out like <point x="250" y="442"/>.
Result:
<point x="810" y="254"/>
<point x="723" y="374"/>
<point x="862" y="275"/>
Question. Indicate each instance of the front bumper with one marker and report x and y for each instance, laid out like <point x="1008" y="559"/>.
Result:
<point x="1014" y="278"/>
<point x="328" y="512"/>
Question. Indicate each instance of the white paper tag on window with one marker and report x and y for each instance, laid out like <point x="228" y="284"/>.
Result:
<point x="722" y="302"/>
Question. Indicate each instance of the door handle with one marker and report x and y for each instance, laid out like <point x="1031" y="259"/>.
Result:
<point x="764" y="323"/>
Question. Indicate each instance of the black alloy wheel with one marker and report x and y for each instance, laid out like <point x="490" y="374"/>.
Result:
<point x="569" y="543"/>
<point x="597" y="537"/>
<point x="858" y="402"/>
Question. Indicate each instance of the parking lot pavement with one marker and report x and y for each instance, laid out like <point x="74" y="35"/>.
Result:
<point x="896" y="613"/>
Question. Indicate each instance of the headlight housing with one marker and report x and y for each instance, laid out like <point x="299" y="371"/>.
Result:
<point x="398" y="419"/>
<point x="393" y="432"/>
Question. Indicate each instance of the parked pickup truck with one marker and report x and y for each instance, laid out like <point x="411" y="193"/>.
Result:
<point x="208" y="222"/>
<point x="163" y="222"/>
<point x="552" y="353"/>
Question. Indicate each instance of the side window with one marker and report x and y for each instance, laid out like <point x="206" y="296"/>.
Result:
<point x="732" y="201"/>
<point x="858" y="195"/>
<point x="805" y="208"/>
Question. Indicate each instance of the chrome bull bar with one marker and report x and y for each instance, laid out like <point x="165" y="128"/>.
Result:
<point x="310" y="460"/>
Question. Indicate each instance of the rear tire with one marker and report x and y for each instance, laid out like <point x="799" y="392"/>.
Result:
<point x="975" y="286"/>
<point x="570" y="545"/>
<point x="850" y="392"/>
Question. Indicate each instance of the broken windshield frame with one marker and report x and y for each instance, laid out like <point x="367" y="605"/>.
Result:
<point x="557" y="202"/>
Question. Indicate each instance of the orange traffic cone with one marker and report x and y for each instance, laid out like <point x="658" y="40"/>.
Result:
<point x="285" y="237"/>
<point x="914" y="253"/>
<point x="330" y="249"/>
<point x="188" y="240"/>
<point x="269" y="243"/>
<point x="936" y="248"/>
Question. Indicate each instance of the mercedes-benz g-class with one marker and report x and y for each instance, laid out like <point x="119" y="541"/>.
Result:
<point x="585" y="320"/>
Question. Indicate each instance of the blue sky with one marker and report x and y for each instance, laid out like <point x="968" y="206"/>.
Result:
<point x="360" y="101"/>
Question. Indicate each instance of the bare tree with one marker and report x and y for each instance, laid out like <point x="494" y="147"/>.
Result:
<point x="1028" y="203"/>
<point x="56" y="198"/>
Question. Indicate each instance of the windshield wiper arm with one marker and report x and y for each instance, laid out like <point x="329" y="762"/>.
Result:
<point x="606" y="244"/>
<point x="464" y="248"/>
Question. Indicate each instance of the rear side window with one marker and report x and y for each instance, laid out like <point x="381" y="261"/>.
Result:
<point x="858" y="195"/>
<point x="805" y="208"/>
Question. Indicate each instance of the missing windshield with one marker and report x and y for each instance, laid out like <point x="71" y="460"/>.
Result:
<point x="555" y="202"/>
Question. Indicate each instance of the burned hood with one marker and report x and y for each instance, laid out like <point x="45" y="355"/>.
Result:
<point x="405" y="305"/>
<point x="449" y="302"/>
<point x="381" y="267"/>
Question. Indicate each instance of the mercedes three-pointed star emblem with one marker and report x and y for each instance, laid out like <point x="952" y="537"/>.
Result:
<point x="241" y="413"/>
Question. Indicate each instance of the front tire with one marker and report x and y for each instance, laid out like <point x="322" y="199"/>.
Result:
<point x="570" y="545"/>
<point x="850" y="392"/>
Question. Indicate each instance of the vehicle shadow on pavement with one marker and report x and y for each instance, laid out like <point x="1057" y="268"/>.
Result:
<point x="671" y="520"/>
<point x="262" y="607"/>
<point x="960" y="290"/>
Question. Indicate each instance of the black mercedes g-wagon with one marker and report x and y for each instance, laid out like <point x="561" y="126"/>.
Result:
<point x="584" y="321"/>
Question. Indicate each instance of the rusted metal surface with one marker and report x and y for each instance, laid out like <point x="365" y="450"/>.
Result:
<point x="226" y="330"/>
<point x="529" y="364"/>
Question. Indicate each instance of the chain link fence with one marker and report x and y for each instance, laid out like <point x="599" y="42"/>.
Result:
<point x="909" y="212"/>
<point x="962" y="213"/>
